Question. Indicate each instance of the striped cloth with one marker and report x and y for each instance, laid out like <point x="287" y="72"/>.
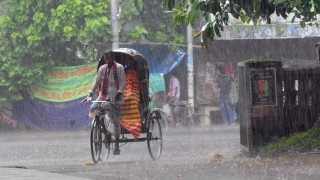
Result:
<point x="130" y="116"/>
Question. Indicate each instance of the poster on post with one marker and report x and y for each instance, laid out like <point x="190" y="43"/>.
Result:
<point x="263" y="87"/>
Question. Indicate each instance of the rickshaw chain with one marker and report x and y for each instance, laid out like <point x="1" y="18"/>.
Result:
<point x="123" y="144"/>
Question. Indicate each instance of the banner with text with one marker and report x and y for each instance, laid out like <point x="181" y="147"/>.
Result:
<point x="57" y="106"/>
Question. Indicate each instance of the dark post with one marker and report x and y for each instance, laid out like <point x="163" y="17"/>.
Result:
<point x="260" y="88"/>
<point x="318" y="51"/>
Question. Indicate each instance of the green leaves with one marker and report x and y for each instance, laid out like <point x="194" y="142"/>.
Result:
<point x="33" y="40"/>
<point x="156" y="22"/>
<point x="38" y="17"/>
<point x="68" y="31"/>
<point x="15" y="36"/>
<point x="137" y="33"/>
<point x="36" y="35"/>
<point x="216" y="13"/>
<point x="87" y="9"/>
<point x="169" y="3"/>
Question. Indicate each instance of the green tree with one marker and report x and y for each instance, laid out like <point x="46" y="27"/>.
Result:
<point x="156" y="26"/>
<point x="38" y="35"/>
<point x="216" y="13"/>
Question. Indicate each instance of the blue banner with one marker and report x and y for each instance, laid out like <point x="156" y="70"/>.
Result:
<point x="44" y="115"/>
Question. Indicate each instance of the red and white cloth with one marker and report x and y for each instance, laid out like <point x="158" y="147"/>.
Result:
<point x="130" y="116"/>
<point x="174" y="88"/>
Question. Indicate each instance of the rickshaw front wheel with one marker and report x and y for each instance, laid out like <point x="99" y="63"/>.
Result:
<point x="96" y="140"/>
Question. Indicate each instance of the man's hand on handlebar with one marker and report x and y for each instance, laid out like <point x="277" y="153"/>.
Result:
<point x="112" y="100"/>
<point x="117" y="96"/>
<point x="87" y="99"/>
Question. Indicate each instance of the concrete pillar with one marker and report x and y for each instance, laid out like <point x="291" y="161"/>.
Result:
<point x="115" y="24"/>
<point x="190" y="65"/>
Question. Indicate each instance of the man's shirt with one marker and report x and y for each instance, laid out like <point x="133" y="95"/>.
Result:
<point x="112" y="89"/>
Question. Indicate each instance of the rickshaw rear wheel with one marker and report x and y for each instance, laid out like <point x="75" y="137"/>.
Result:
<point x="96" y="140"/>
<point x="154" y="137"/>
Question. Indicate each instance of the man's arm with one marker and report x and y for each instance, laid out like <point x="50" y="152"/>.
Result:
<point x="175" y="92"/>
<point x="94" y="86"/>
<point x="122" y="80"/>
<point x="97" y="80"/>
<point x="176" y="85"/>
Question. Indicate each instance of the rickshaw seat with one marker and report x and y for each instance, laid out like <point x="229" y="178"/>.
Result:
<point x="130" y="118"/>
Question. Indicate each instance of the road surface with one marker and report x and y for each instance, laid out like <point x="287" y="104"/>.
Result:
<point x="206" y="153"/>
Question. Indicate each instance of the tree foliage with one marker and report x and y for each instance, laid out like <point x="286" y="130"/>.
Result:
<point x="38" y="35"/>
<point x="216" y="13"/>
<point x="156" y="25"/>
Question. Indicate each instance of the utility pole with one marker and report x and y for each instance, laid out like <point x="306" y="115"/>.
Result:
<point x="115" y="24"/>
<point x="190" y="63"/>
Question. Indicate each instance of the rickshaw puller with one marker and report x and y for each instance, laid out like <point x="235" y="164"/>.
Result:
<point x="110" y="82"/>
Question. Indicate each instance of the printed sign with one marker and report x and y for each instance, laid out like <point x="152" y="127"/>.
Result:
<point x="263" y="87"/>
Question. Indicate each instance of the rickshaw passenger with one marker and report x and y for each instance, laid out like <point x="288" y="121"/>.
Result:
<point x="111" y="80"/>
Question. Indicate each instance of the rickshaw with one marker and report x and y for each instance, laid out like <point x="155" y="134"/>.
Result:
<point x="101" y="138"/>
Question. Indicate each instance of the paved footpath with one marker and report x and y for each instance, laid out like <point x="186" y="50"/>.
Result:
<point x="21" y="173"/>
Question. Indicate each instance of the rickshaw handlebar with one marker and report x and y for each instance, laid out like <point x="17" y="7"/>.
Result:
<point x="99" y="101"/>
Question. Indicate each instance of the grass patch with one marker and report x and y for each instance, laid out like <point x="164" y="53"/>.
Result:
<point x="297" y="142"/>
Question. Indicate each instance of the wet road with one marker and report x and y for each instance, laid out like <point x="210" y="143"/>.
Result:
<point x="199" y="154"/>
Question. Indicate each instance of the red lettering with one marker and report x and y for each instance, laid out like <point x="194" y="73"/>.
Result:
<point x="81" y="71"/>
<point x="55" y="96"/>
<point x="83" y="90"/>
<point x="44" y="94"/>
<point x="59" y="75"/>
